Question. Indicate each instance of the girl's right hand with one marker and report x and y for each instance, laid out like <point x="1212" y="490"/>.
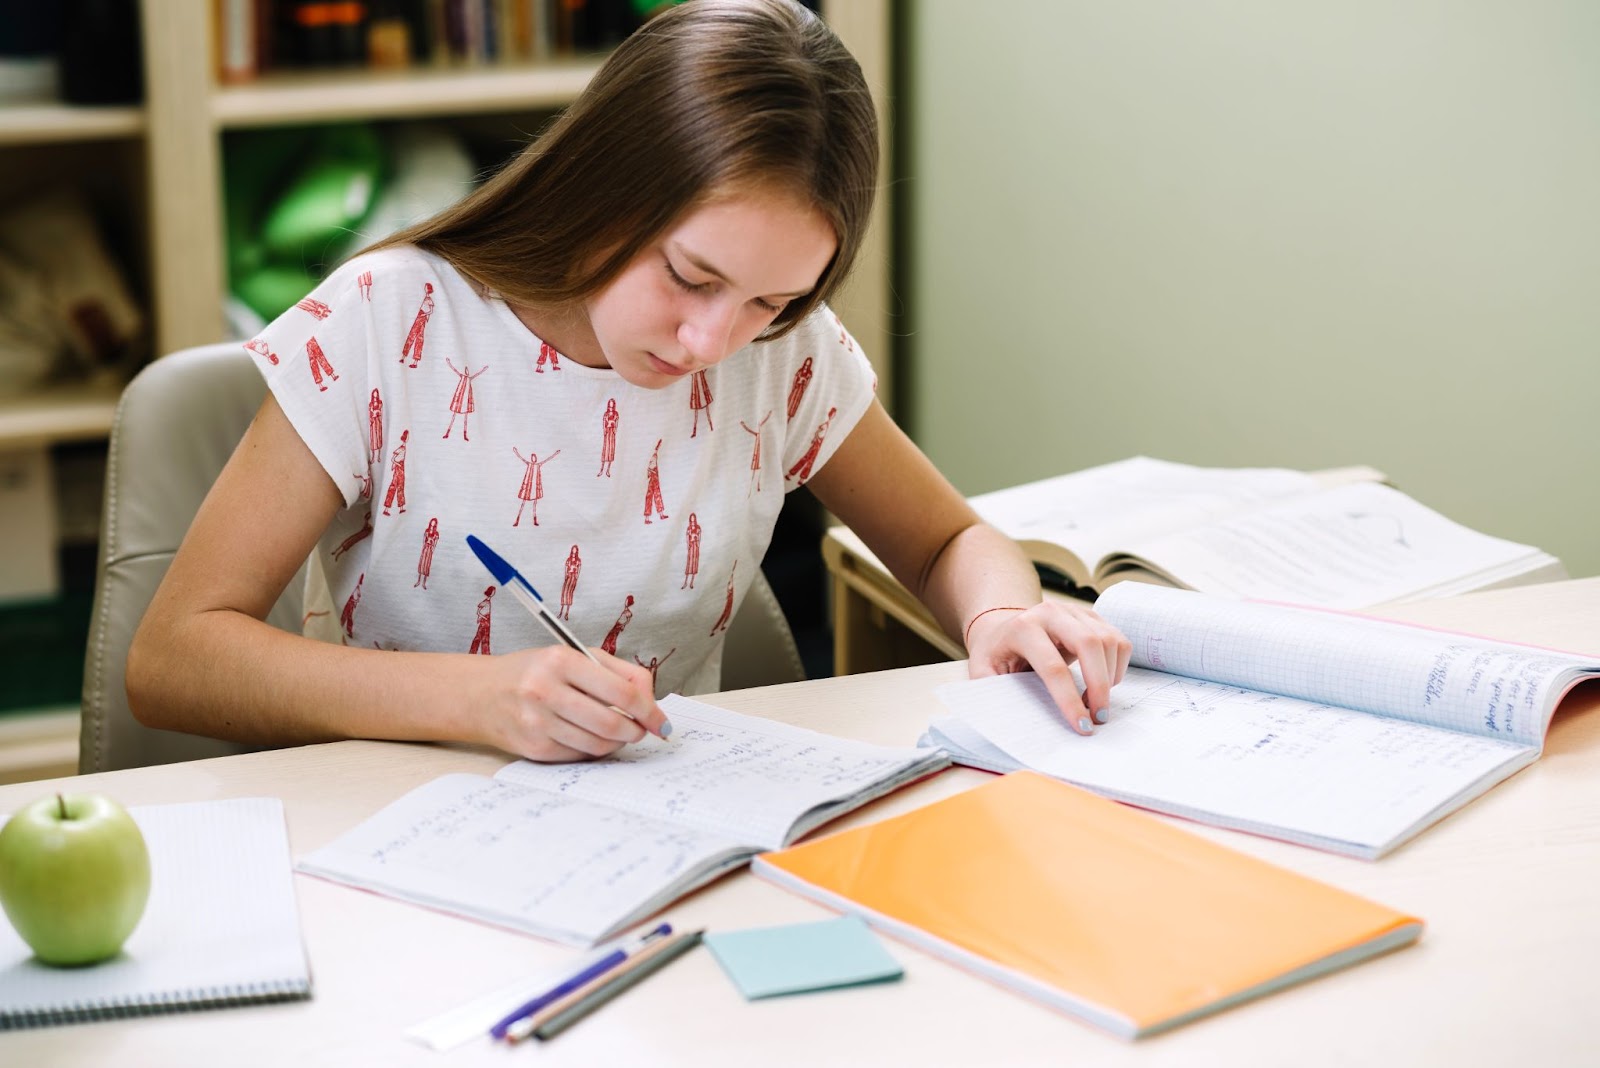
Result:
<point x="555" y="704"/>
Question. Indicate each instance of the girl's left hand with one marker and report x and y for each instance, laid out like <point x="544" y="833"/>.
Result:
<point x="1047" y="638"/>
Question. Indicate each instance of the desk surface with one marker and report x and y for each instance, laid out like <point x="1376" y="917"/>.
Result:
<point x="1504" y="973"/>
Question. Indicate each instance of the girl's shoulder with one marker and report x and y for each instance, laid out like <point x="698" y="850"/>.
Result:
<point x="402" y="267"/>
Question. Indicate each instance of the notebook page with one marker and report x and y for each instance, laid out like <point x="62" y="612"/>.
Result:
<point x="1099" y="510"/>
<point x="1278" y="765"/>
<point x="221" y="923"/>
<point x="507" y="854"/>
<point x="1349" y="547"/>
<point x="1446" y="680"/>
<point x="739" y="776"/>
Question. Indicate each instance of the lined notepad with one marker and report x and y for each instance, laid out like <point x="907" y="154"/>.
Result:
<point x="221" y="927"/>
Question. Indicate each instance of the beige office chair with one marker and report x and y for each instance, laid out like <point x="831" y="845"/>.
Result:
<point x="176" y="426"/>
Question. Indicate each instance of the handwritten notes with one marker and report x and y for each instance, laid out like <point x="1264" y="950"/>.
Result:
<point x="750" y="780"/>
<point x="518" y="857"/>
<point x="579" y="852"/>
<point x="1347" y="733"/>
<point x="1245" y="759"/>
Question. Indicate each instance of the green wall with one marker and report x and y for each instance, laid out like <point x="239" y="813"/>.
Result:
<point x="1306" y="233"/>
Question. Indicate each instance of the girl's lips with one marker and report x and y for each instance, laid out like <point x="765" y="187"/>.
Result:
<point x="664" y="367"/>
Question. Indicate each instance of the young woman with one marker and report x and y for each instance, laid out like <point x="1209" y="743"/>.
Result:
<point x="673" y="237"/>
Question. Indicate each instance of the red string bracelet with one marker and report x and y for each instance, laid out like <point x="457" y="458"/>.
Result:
<point x="997" y="608"/>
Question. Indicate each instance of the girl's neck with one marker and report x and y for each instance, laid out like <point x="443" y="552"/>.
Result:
<point x="565" y="330"/>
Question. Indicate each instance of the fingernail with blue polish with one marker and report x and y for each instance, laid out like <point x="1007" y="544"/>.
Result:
<point x="666" y="728"/>
<point x="1100" y="715"/>
<point x="1085" y="726"/>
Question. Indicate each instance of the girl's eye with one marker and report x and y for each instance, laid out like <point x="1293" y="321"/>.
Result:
<point x="700" y="287"/>
<point x="683" y="283"/>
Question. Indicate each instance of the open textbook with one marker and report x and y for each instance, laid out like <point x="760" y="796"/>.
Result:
<point x="579" y="852"/>
<point x="1339" y="539"/>
<point x="1331" y="730"/>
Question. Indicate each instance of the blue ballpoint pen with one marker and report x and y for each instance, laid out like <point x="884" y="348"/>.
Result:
<point x="511" y="579"/>
<point x="593" y="971"/>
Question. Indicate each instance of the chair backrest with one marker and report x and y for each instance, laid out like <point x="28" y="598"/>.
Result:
<point x="178" y="422"/>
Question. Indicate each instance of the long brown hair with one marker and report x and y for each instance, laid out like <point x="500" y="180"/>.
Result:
<point x="706" y="99"/>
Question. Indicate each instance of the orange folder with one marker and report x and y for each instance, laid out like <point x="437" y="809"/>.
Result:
<point x="1092" y="907"/>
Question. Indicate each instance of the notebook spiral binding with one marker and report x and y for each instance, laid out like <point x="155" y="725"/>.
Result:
<point x="169" y="1001"/>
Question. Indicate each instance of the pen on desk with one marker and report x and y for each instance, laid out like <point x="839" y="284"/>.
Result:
<point x="560" y="990"/>
<point x="644" y="964"/>
<point x="521" y="589"/>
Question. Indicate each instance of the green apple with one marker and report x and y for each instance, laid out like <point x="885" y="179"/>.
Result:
<point x="74" y="877"/>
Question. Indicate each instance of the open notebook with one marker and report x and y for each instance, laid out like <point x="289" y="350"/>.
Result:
<point x="580" y="852"/>
<point x="1329" y="730"/>
<point x="221" y="926"/>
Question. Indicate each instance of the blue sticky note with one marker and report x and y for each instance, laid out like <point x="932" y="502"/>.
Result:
<point x="767" y="961"/>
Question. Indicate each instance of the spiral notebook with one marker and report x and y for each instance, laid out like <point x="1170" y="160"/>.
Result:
<point x="222" y="926"/>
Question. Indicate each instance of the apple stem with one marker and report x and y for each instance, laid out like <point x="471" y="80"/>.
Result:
<point x="62" y="801"/>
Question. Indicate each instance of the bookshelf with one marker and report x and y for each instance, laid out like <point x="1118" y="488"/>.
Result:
<point x="159" y="167"/>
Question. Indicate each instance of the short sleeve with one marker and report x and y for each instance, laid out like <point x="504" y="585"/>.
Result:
<point x="315" y="359"/>
<point x="831" y="385"/>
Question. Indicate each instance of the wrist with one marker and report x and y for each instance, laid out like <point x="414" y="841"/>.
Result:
<point x="966" y="634"/>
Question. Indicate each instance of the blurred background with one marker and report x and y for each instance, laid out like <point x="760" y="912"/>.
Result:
<point x="1223" y="232"/>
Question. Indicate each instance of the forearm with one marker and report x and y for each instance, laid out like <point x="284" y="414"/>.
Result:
<point x="977" y="569"/>
<point x="225" y="675"/>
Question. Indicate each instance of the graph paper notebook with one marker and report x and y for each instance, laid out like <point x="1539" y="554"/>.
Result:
<point x="1090" y="907"/>
<point x="1330" y="730"/>
<point x="221" y="926"/>
<point x="579" y="852"/>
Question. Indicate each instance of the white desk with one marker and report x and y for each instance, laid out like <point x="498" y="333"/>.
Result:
<point x="1505" y="974"/>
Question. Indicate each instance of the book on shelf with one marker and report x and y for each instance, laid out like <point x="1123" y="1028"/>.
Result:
<point x="1086" y="906"/>
<point x="1327" y="729"/>
<point x="1338" y="539"/>
<point x="221" y="926"/>
<point x="254" y="37"/>
<point x="579" y="852"/>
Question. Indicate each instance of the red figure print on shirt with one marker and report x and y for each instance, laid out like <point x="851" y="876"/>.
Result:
<point x="755" y="453"/>
<point x="363" y="484"/>
<point x="461" y="402"/>
<point x="802" y="467"/>
<point x="397" y="476"/>
<point x="691" y="554"/>
<point x="319" y="364"/>
<point x="655" y="665"/>
<point x="547" y="352"/>
<point x="262" y="349"/>
<point x="608" y="437"/>
<point x="347" y="618"/>
<point x="844" y="335"/>
<point x="569" y="585"/>
<point x="374" y="425"/>
<point x="623" y="617"/>
<point x="419" y="326"/>
<point x="364" y="283"/>
<point x="532" y="487"/>
<point x="430" y="538"/>
<point x="700" y="397"/>
<point x="360" y="535"/>
<point x="797" y="389"/>
<point x="652" y="486"/>
<point x="318" y="309"/>
<point x="480" y="637"/>
<point x="727" y="606"/>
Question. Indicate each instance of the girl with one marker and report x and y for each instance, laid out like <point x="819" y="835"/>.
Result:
<point x="691" y="212"/>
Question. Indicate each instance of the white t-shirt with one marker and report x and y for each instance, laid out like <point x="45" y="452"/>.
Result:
<point x="638" y="514"/>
